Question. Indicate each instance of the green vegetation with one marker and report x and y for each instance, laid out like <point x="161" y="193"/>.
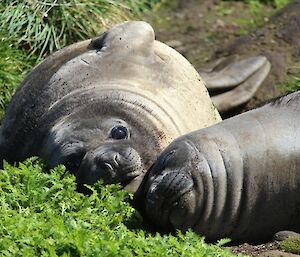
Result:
<point x="13" y="66"/>
<point x="31" y="29"/>
<point x="276" y="3"/>
<point x="44" y="26"/>
<point x="292" y="85"/>
<point x="291" y="245"/>
<point x="293" y="81"/>
<point x="261" y="10"/>
<point x="258" y="8"/>
<point x="41" y="214"/>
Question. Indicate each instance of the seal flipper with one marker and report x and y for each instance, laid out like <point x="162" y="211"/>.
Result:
<point x="243" y="93"/>
<point x="230" y="72"/>
<point x="243" y="77"/>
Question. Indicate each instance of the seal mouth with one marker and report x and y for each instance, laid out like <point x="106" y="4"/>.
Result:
<point x="167" y="199"/>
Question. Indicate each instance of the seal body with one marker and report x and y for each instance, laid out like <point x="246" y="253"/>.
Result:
<point x="106" y="107"/>
<point x="239" y="178"/>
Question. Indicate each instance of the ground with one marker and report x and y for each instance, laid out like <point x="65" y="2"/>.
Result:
<point x="197" y="29"/>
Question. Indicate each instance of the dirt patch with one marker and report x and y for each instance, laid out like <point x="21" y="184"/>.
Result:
<point x="254" y="250"/>
<point x="197" y="29"/>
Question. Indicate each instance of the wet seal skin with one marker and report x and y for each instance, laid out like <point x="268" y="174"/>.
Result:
<point x="239" y="178"/>
<point x="106" y="107"/>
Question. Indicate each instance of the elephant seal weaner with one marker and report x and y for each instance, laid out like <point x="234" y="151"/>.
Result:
<point x="239" y="178"/>
<point x="105" y="108"/>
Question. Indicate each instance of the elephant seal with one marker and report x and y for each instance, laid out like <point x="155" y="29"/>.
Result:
<point x="106" y="107"/>
<point x="239" y="178"/>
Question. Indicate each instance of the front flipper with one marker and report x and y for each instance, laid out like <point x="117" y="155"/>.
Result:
<point x="241" y="77"/>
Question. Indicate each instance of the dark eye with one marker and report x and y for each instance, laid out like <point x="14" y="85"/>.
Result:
<point x="119" y="132"/>
<point x="73" y="163"/>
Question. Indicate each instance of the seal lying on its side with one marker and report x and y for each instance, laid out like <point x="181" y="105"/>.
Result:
<point x="105" y="108"/>
<point x="239" y="178"/>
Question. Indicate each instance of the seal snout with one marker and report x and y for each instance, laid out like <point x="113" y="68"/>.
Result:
<point x="166" y="197"/>
<point x="170" y="189"/>
<point x="118" y="165"/>
<point x="108" y="160"/>
<point x="111" y="163"/>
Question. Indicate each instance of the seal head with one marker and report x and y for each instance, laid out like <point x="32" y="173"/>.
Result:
<point x="106" y="107"/>
<point x="104" y="142"/>
<point x="172" y="190"/>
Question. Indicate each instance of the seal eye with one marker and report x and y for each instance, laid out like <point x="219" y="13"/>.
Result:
<point x="119" y="132"/>
<point x="73" y="163"/>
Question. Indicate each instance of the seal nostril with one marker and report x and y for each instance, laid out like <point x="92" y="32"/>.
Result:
<point x="98" y="43"/>
<point x="104" y="165"/>
<point x="117" y="159"/>
<point x="108" y="166"/>
<point x="166" y="158"/>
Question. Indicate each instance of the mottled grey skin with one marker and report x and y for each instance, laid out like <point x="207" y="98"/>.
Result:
<point x="106" y="107"/>
<point x="239" y="178"/>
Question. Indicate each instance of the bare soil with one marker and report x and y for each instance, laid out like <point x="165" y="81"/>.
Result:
<point x="197" y="29"/>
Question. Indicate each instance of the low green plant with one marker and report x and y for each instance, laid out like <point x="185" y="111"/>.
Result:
<point x="293" y="84"/>
<point x="276" y="3"/>
<point x="293" y="81"/>
<point x="41" y="214"/>
<point x="291" y="245"/>
<point x="257" y="3"/>
<point x="44" y="26"/>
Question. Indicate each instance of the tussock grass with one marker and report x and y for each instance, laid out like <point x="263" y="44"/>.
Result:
<point x="46" y="25"/>
<point x="41" y="214"/>
<point x="31" y="29"/>
<point x="14" y="64"/>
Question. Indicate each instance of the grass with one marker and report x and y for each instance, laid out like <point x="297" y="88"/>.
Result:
<point x="32" y="29"/>
<point x="44" y="26"/>
<point x="41" y="214"/>
<point x="13" y="66"/>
